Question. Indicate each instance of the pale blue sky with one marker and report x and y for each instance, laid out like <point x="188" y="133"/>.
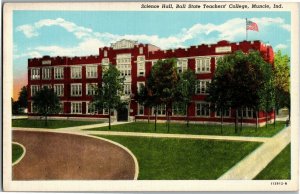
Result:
<point x="69" y="33"/>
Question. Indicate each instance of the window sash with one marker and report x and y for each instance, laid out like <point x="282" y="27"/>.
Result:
<point x="201" y="86"/>
<point x="203" y="65"/>
<point x="34" y="89"/>
<point x="91" y="89"/>
<point x="76" y="90"/>
<point x="46" y="73"/>
<point x="91" y="72"/>
<point x="202" y="109"/>
<point x="59" y="89"/>
<point x="76" y="107"/>
<point x="76" y="72"/>
<point x="140" y="109"/>
<point x="35" y="73"/>
<point x="58" y="73"/>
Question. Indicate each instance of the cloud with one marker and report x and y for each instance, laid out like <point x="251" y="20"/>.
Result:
<point x="32" y="30"/>
<point x="89" y="41"/>
<point x="280" y="47"/>
<point x="86" y="47"/>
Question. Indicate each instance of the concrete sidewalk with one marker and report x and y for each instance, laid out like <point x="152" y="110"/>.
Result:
<point x="254" y="163"/>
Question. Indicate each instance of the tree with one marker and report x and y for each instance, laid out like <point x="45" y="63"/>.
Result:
<point x="145" y="99"/>
<point x="15" y="107"/>
<point x="165" y="78"/>
<point x="185" y="90"/>
<point x="219" y="90"/>
<point x="240" y="81"/>
<point x="282" y="81"/>
<point x="23" y="97"/>
<point x="46" y="102"/>
<point x="108" y="94"/>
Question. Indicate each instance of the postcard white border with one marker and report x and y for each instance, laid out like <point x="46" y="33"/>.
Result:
<point x="197" y="185"/>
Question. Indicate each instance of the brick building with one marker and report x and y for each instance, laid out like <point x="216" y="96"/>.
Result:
<point x="72" y="78"/>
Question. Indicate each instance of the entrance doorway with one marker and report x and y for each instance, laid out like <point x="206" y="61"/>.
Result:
<point x="122" y="114"/>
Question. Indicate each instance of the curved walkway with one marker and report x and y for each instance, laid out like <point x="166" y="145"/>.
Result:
<point x="60" y="156"/>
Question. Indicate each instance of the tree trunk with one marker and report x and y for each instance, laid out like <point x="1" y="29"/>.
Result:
<point x="242" y="119"/>
<point x="187" y="115"/>
<point x="168" y="122"/>
<point x="149" y="110"/>
<point x="266" y="119"/>
<point x="235" y="123"/>
<point x="155" y="117"/>
<point x="109" y="118"/>
<point x="256" y="119"/>
<point x="222" y="120"/>
<point x="46" y="120"/>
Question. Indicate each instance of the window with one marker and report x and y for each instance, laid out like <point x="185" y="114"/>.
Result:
<point x="91" y="71"/>
<point x="141" y="65"/>
<point x="76" y="108"/>
<point x="161" y="110"/>
<point x="182" y="65"/>
<point x="247" y="113"/>
<point x="35" y="73"/>
<point x="127" y="89"/>
<point x="91" y="89"/>
<point x="76" y="90"/>
<point x="34" y="89"/>
<point x="178" y="109"/>
<point x="48" y="86"/>
<point x="58" y="73"/>
<point x="140" y="85"/>
<point x="141" y="50"/>
<point x="105" y="53"/>
<point x="203" y="65"/>
<point x="59" y="89"/>
<point x="124" y="65"/>
<point x="46" y="73"/>
<point x="140" y="109"/>
<point x="202" y="109"/>
<point x="201" y="86"/>
<point x="76" y="72"/>
<point x="226" y="113"/>
<point x="91" y="108"/>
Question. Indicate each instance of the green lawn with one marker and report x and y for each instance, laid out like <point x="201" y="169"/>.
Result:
<point x="184" y="159"/>
<point x="52" y="124"/>
<point x="279" y="168"/>
<point x="17" y="152"/>
<point x="197" y="129"/>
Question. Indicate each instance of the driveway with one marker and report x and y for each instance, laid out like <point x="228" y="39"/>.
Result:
<point x="59" y="156"/>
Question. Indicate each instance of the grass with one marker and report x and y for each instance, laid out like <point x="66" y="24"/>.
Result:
<point x="184" y="159"/>
<point x="197" y="129"/>
<point x="17" y="152"/>
<point x="279" y="168"/>
<point x="52" y="124"/>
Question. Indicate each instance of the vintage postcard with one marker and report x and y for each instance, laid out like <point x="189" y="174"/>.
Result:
<point x="151" y="96"/>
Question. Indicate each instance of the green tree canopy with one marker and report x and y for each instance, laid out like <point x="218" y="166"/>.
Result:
<point x="46" y="102"/>
<point x="282" y="80"/>
<point x="23" y="97"/>
<point x="242" y="80"/>
<point x="109" y="92"/>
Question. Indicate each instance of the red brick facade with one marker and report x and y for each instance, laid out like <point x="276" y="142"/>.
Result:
<point x="136" y="61"/>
